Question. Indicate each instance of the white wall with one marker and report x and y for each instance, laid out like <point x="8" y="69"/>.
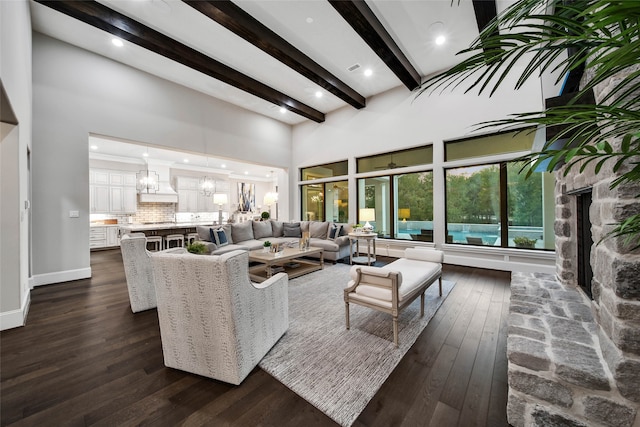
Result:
<point x="398" y="119"/>
<point x="76" y="93"/>
<point x="15" y="73"/>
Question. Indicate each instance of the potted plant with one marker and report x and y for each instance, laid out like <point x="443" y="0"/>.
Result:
<point x="265" y="215"/>
<point x="524" y="242"/>
<point x="266" y="246"/>
<point x="197" y="248"/>
<point x="357" y="228"/>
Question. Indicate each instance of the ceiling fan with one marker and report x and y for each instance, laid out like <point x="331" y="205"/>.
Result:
<point x="391" y="165"/>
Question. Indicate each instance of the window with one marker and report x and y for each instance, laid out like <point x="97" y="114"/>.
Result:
<point x="328" y="201"/>
<point x="506" y="142"/>
<point x="324" y="171"/>
<point x="413" y="196"/>
<point x="494" y="205"/>
<point x="396" y="159"/>
<point x="375" y="193"/>
<point x="403" y="205"/>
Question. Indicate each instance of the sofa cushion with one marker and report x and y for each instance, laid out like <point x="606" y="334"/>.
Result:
<point x="292" y="229"/>
<point x="204" y="233"/>
<point x="219" y="236"/>
<point x="414" y="273"/>
<point x="242" y="231"/>
<point x="424" y="254"/>
<point x="277" y="228"/>
<point x="262" y="229"/>
<point x="327" y="245"/>
<point x="318" y="229"/>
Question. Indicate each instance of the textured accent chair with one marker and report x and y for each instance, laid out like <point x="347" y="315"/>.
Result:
<point x="138" y="271"/>
<point x="214" y="321"/>
<point x="396" y="285"/>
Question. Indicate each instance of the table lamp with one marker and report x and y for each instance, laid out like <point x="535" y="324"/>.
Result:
<point x="220" y="199"/>
<point x="367" y="214"/>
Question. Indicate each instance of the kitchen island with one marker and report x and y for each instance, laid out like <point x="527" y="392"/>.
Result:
<point x="163" y="229"/>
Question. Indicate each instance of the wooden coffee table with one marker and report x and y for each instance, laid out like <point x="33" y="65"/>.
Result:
<point x="290" y="259"/>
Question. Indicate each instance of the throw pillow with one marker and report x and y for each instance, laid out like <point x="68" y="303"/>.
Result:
<point x="332" y="232"/>
<point x="218" y="236"/>
<point x="242" y="232"/>
<point x="262" y="229"/>
<point x="292" y="229"/>
<point x="277" y="228"/>
<point x="204" y="233"/>
<point x="318" y="229"/>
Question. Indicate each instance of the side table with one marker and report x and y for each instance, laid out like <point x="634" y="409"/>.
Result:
<point x="368" y="237"/>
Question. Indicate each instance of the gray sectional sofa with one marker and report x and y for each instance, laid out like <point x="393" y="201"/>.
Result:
<point x="251" y="235"/>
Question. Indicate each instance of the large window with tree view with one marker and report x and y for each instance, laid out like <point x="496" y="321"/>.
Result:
<point x="403" y="202"/>
<point x="496" y="204"/>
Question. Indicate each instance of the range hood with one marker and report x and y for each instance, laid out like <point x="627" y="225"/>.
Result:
<point x="165" y="193"/>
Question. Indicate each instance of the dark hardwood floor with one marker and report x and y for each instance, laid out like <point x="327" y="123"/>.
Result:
<point x="84" y="359"/>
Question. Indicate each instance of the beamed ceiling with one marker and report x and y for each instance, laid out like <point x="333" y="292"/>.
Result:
<point x="266" y="55"/>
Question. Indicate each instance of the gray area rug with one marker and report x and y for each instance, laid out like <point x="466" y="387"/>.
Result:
<point x="338" y="370"/>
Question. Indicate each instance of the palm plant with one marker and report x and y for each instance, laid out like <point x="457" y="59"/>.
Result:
<point x="603" y="37"/>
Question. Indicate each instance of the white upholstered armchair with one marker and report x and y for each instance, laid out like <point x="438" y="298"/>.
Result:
<point x="213" y="320"/>
<point x="137" y="269"/>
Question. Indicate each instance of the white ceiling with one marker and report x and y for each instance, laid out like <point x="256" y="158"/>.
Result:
<point x="312" y="26"/>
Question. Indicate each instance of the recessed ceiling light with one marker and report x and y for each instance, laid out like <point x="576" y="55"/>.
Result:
<point x="186" y="160"/>
<point x="223" y="166"/>
<point x="117" y="42"/>
<point x="283" y="110"/>
<point x="440" y="40"/>
<point x="145" y="154"/>
<point x="318" y="94"/>
<point x="309" y="20"/>
<point x="368" y="72"/>
<point x="267" y="175"/>
<point x="246" y="172"/>
<point x="94" y="147"/>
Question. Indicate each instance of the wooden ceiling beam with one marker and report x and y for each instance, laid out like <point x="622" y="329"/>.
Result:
<point x="368" y="26"/>
<point x="101" y="17"/>
<point x="485" y="11"/>
<point x="236" y="20"/>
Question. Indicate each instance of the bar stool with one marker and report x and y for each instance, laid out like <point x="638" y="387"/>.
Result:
<point x="178" y="238"/>
<point x="192" y="237"/>
<point x="156" y="241"/>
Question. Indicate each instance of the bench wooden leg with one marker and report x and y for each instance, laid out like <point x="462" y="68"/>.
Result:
<point x="395" y="331"/>
<point x="440" y="284"/>
<point x="422" y="304"/>
<point x="346" y="307"/>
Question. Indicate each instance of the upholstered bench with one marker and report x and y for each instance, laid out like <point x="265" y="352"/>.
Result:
<point x="393" y="287"/>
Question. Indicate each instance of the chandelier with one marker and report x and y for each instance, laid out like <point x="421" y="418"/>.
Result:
<point x="207" y="186"/>
<point x="147" y="182"/>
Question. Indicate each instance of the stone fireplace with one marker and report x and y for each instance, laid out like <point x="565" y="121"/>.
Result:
<point x="573" y="360"/>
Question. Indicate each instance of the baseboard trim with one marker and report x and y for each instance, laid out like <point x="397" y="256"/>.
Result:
<point x="15" y="318"/>
<point x="61" y="276"/>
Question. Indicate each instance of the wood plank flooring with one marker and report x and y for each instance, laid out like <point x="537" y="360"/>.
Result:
<point x="84" y="359"/>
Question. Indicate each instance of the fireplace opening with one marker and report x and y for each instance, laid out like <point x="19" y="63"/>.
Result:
<point x="585" y="241"/>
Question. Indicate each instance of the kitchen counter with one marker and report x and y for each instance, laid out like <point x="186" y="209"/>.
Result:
<point x="132" y="228"/>
<point x="104" y="225"/>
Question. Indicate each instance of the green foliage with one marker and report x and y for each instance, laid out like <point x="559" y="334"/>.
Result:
<point x="605" y="38"/>
<point x="197" y="248"/>
<point x="415" y="191"/>
<point x="266" y="244"/>
<point x="265" y="215"/>
<point x="524" y="242"/>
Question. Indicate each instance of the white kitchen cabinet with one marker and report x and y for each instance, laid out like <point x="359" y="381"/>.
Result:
<point x="104" y="237"/>
<point x="113" y="237"/>
<point x="205" y="203"/>
<point x="99" y="198"/>
<point x="112" y="192"/>
<point x="187" y="201"/>
<point x="97" y="237"/>
<point x="98" y="177"/>
<point x="130" y="199"/>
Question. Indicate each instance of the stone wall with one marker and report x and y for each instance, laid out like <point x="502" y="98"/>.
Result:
<point x="553" y="347"/>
